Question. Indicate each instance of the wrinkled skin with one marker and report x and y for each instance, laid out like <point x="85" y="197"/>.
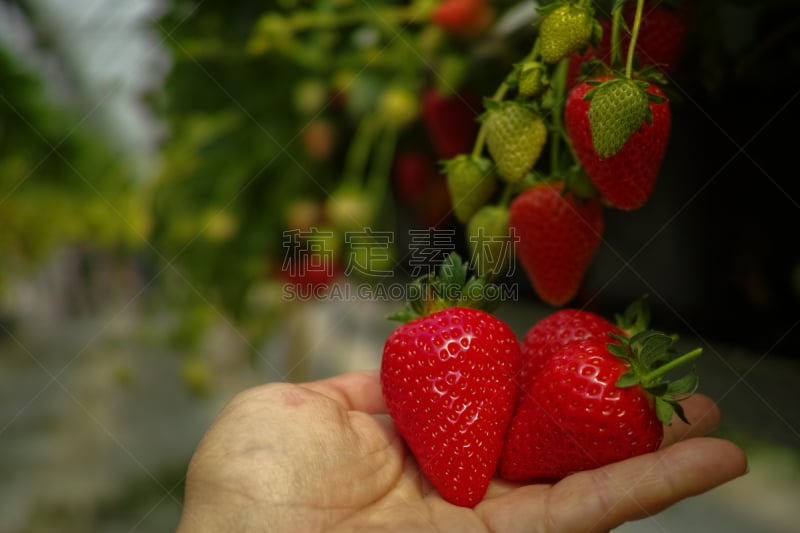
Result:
<point x="324" y="456"/>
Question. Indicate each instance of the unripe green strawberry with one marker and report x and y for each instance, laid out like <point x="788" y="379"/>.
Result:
<point x="471" y="183"/>
<point x="619" y="108"/>
<point x="399" y="106"/>
<point x="515" y="136"/>
<point x="350" y="209"/>
<point x="564" y="30"/>
<point x="488" y="240"/>
<point x="533" y="79"/>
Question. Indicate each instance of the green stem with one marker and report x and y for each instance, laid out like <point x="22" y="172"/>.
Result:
<point x="616" y="53"/>
<point x="382" y="166"/>
<point x="637" y="22"/>
<point x="675" y="363"/>
<point x="498" y="96"/>
<point x="559" y="85"/>
<point x="358" y="152"/>
<point x="508" y="194"/>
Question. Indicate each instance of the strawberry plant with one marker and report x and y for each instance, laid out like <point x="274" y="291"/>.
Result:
<point x="369" y="84"/>
<point x="567" y="153"/>
<point x="619" y="130"/>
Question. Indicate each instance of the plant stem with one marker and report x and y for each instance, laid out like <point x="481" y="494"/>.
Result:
<point x="559" y="84"/>
<point x="498" y="96"/>
<point x="616" y="53"/>
<point x="637" y="22"/>
<point x="675" y="363"/>
<point x="382" y="166"/>
<point x="505" y="198"/>
<point x="358" y="152"/>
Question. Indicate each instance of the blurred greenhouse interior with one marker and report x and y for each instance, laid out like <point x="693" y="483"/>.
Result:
<point x="157" y="157"/>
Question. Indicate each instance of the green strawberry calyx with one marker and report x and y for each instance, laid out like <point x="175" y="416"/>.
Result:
<point x="650" y="357"/>
<point x="449" y="287"/>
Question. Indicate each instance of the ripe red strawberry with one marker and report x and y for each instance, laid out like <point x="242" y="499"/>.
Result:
<point x="555" y="331"/>
<point x="448" y="383"/>
<point x="626" y="178"/>
<point x="435" y="210"/>
<point x="463" y="17"/>
<point x="556" y="237"/>
<point x="310" y="274"/>
<point x="451" y="121"/>
<point x="592" y="397"/>
<point x="411" y="175"/>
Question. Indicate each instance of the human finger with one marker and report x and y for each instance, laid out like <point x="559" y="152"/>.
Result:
<point x="356" y="391"/>
<point x="703" y="416"/>
<point x="644" y="485"/>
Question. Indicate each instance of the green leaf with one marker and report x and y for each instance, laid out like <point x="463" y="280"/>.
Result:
<point x="665" y="410"/>
<point x="617" y="349"/>
<point x="655" y="348"/>
<point x="683" y="387"/>
<point x="636" y="317"/>
<point x="402" y="316"/>
<point x="452" y="269"/>
<point x="628" y="379"/>
<point x="678" y="409"/>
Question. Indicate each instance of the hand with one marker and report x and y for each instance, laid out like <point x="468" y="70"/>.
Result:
<point x="325" y="456"/>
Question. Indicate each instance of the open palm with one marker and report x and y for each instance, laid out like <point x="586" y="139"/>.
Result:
<point x="325" y="456"/>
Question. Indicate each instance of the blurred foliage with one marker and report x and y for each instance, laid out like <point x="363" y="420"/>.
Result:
<point x="240" y="107"/>
<point x="249" y="85"/>
<point x="60" y="184"/>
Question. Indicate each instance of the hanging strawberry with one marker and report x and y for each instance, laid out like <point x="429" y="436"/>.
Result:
<point x="566" y="27"/>
<point x="556" y="236"/>
<point x="619" y="130"/>
<point x="515" y="137"/>
<point x="471" y="183"/>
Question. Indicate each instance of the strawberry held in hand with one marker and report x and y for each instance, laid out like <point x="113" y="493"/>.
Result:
<point x="590" y="397"/>
<point x="448" y="382"/>
<point x="619" y="130"/>
<point x="556" y="331"/>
